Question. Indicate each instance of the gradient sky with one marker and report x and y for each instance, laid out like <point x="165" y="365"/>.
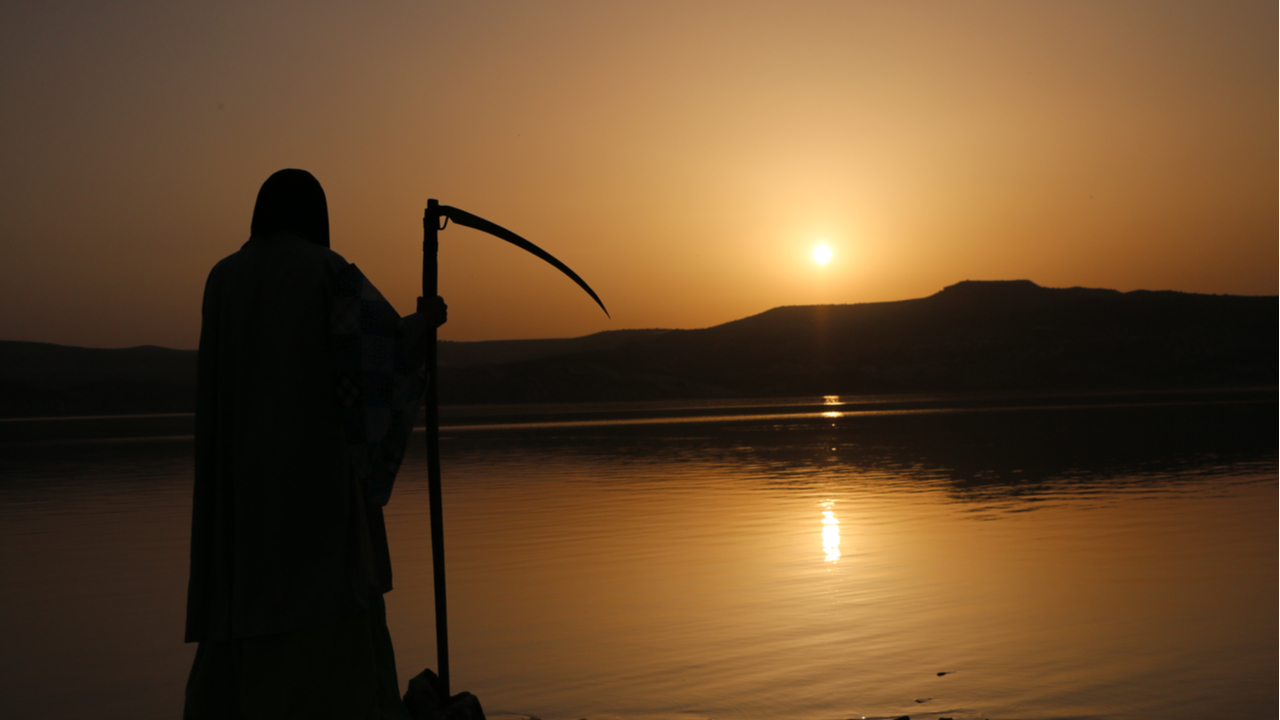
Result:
<point x="683" y="157"/>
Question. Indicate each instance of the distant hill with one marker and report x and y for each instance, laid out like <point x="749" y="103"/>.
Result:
<point x="970" y="337"/>
<point x="47" y="380"/>
<point x="42" y="379"/>
<point x="502" y="352"/>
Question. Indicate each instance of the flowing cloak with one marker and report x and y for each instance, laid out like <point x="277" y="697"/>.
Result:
<point x="306" y="391"/>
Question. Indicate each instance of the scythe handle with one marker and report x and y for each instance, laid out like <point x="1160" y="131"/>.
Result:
<point x="430" y="288"/>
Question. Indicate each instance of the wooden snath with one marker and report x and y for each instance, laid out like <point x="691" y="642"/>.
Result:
<point x="431" y="227"/>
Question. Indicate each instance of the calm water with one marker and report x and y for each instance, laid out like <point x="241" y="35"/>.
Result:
<point x="1110" y="560"/>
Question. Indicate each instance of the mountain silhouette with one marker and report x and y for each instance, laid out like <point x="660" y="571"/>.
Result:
<point x="43" y="379"/>
<point x="971" y="337"/>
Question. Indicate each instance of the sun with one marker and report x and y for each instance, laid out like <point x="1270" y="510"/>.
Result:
<point x="822" y="254"/>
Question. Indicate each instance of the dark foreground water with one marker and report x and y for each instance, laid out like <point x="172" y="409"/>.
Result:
<point x="1089" y="558"/>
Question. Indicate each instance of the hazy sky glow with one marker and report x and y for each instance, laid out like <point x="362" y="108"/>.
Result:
<point x="684" y="158"/>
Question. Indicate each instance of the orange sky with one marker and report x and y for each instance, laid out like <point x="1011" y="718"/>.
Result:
<point x="684" y="157"/>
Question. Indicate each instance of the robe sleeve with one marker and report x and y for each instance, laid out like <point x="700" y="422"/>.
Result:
<point x="379" y="380"/>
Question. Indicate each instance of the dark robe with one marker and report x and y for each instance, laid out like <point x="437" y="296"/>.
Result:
<point x="284" y="535"/>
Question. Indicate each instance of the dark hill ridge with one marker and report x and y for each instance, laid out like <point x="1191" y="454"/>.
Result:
<point x="1007" y="336"/>
<point x="502" y="352"/>
<point x="972" y="336"/>
<point x="42" y="379"/>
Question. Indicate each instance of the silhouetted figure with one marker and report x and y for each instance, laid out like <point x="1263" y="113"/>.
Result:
<point x="308" y="384"/>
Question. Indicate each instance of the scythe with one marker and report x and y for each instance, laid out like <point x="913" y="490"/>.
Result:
<point x="431" y="226"/>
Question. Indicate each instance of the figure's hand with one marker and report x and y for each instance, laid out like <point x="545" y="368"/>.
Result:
<point x="434" y="311"/>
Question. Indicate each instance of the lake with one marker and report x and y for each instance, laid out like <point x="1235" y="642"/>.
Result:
<point x="810" y="558"/>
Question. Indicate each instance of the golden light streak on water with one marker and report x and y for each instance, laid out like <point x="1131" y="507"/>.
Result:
<point x="830" y="533"/>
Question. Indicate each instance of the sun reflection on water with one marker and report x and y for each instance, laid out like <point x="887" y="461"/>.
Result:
<point x="830" y="533"/>
<point x="832" y="400"/>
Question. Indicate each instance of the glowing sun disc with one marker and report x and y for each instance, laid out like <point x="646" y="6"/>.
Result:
<point x="821" y="254"/>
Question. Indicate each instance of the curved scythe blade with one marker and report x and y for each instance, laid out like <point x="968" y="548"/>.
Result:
<point x="466" y="219"/>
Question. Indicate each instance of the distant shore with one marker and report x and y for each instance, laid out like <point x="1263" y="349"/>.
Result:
<point x="176" y="426"/>
<point x="979" y="338"/>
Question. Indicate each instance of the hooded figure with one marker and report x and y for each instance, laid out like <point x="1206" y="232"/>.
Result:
<point x="308" y="384"/>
